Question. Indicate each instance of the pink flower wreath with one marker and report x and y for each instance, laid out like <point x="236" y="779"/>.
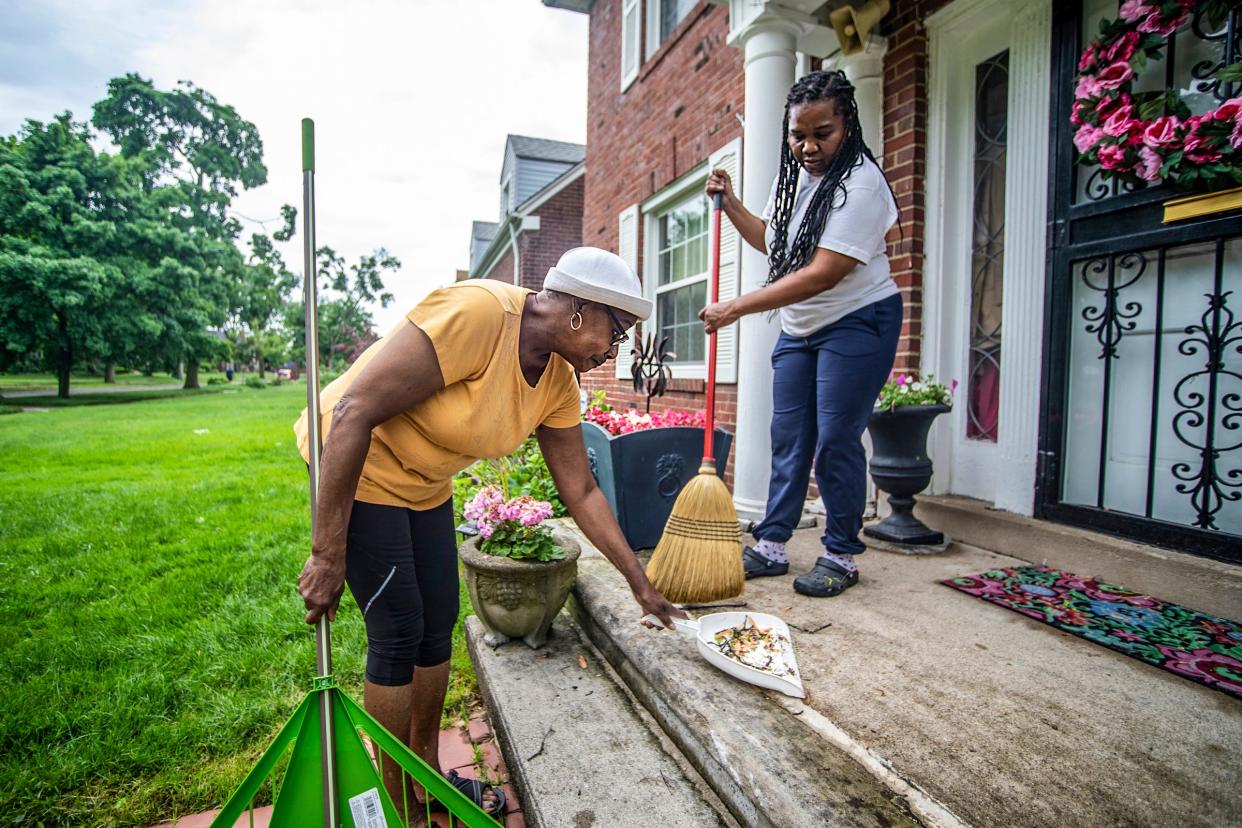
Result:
<point x="1150" y="136"/>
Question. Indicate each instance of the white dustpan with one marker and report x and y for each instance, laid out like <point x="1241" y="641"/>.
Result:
<point x="703" y="631"/>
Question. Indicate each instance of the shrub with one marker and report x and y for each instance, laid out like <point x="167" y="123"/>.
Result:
<point x="254" y="382"/>
<point x="217" y="381"/>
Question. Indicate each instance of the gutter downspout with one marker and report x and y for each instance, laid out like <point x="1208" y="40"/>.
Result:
<point x="513" y="241"/>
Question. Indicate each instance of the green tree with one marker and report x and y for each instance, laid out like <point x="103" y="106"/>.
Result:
<point x="264" y="289"/>
<point x="197" y="152"/>
<point x="67" y="261"/>
<point x="345" y="323"/>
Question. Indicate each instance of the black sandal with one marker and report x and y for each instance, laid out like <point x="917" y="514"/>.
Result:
<point x="825" y="580"/>
<point x="474" y="791"/>
<point x="757" y="566"/>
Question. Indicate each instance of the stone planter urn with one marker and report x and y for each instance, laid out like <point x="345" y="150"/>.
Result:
<point x="518" y="599"/>
<point x="900" y="466"/>
<point x="642" y="472"/>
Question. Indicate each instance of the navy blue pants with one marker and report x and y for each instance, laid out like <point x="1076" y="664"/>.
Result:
<point x="824" y="387"/>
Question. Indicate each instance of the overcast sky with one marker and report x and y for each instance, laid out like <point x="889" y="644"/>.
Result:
<point x="412" y="100"/>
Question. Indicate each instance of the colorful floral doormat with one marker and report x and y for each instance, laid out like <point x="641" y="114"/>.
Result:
<point x="1193" y="644"/>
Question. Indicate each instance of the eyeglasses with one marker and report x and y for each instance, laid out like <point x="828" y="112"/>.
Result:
<point x="620" y="334"/>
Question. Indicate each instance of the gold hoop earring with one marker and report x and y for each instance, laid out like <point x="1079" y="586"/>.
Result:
<point x="577" y="315"/>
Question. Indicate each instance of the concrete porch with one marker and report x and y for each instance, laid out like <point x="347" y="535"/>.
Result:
<point x="930" y="706"/>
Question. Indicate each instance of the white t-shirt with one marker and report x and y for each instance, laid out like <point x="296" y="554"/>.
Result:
<point x="855" y="229"/>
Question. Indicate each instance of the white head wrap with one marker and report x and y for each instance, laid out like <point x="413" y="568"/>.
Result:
<point x="599" y="276"/>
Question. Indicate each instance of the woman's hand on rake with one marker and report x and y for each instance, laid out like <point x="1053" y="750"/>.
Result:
<point x="321" y="583"/>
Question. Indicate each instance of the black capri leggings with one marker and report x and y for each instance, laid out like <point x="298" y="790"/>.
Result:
<point x="401" y="568"/>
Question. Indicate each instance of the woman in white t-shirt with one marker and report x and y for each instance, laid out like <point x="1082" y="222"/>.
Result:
<point x="823" y="230"/>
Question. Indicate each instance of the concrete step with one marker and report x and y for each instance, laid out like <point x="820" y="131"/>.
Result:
<point x="762" y="762"/>
<point x="1207" y="585"/>
<point x="580" y="750"/>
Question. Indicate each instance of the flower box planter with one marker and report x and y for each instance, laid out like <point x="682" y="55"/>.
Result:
<point x="517" y="598"/>
<point x="900" y="466"/>
<point x="642" y="472"/>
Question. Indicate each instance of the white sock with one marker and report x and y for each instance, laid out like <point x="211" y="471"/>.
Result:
<point x="773" y="551"/>
<point x="846" y="562"/>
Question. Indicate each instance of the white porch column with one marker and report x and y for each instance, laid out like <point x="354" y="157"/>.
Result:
<point x="1026" y="196"/>
<point x="865" y="70"/>
<point x="769" y="48"/>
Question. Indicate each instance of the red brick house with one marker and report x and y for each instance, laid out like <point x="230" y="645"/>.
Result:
<point x="1100" y="410"/>
<point x="540" y="216"/>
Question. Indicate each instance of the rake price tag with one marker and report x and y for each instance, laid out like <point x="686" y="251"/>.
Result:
<point x="367" y="810"/>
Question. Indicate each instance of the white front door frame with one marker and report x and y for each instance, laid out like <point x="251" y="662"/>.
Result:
<point x="960" y="36"/>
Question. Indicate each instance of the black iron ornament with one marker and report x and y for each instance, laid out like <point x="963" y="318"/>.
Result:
<point x="1215" y="336"/>
<point x="650" y="368"/>
<point x="1109" y="322"/>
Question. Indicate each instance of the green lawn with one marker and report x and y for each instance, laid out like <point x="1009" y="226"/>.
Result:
<point x="38" y="382"/>
<point x="151" y="636"/>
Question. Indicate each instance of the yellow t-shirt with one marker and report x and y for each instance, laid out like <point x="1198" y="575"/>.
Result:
<point x="486" y="408"/>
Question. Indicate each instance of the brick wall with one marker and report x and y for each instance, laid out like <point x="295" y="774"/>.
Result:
<point x="905" y="161"/>
<point x="560" y="228"/>
<point x="683" y="105"/>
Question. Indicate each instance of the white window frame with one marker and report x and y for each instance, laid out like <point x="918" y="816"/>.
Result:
<point x="653" y="41"/>
<point x="652" y="209"/>
<point x="629" y="7"/>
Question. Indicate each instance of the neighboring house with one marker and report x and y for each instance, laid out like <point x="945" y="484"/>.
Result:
<point x="540" y="217"/>
<point x="1099" y="410"/>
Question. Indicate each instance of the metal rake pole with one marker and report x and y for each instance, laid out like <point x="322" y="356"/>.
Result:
<point x="310" y="290"/>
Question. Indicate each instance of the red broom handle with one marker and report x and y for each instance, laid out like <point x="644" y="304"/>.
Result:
<point x="709" y="455"/>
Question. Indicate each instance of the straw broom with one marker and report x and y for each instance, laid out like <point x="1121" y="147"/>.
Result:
<point x="699" y="556"/>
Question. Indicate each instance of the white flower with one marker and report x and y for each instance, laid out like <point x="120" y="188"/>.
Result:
<point x="918" y="386"/>
<point x="901" y="390"/>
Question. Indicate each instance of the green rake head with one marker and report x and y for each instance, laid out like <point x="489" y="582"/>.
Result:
<point x="299" y="799"/>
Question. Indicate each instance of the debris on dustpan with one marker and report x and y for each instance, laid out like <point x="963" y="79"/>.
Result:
<point x="752" y="646"/>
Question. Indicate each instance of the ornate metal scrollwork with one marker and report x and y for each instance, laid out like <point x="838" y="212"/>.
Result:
<point x="1208" y="486"/>
<point x="1229" y="35"/>
<point x="1114" y="319"/>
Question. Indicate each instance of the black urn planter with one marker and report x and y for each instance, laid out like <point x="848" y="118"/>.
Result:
<point x="641" y="473"/>
<point x="900" y="466"/>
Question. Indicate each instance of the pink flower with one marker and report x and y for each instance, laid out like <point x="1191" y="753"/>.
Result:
<point x="1235" y="137"/>
<point x="1132" y="10"/>
<point x="1087" y="137"/>
<point x="1112" y="157"/>
<point x="1120" y="122"/>
<point x="1123" y="48"/>
<point x="1162" y="131"/>
<point x="953" y="387"/>
<point x="486" y="530"/>
<point x="1198" y="151"/>
<point x="1149" y="164"/>
<point x="1088" y="57"/>
<point x="1164" y="28"/>
<point x="1230" y="110"/>
<point x="1114" y="75"/>
<point x="1088" y="87"/>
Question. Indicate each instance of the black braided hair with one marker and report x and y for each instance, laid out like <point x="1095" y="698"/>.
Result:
<point x="784" y="258"/>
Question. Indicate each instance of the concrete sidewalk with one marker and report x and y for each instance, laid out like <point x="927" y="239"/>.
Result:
<point x="1001" y="720"/>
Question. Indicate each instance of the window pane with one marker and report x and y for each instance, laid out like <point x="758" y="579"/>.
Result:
<point x="682" y="238"/>
<point x="673" y="12"/>
<point x="987" y="248"/>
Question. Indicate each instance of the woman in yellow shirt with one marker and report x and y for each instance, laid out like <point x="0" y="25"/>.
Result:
<point x="470" y="373"/>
